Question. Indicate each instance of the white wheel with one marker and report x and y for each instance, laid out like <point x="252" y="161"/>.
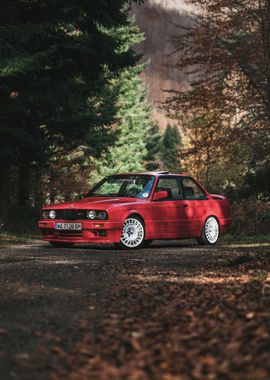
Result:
<point x="210" y="233"/>
<point x="132" y="233"/>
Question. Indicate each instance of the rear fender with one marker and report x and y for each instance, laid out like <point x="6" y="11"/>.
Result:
<point x="223" y="205"/>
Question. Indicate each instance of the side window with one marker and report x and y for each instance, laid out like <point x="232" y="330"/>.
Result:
<point x="191" y="190"/>
<point x="171" y="185"/>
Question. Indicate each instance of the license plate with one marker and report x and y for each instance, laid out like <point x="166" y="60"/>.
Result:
<point x="69" y="226"/>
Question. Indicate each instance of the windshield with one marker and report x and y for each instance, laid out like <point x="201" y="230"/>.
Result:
<point x="131" y="186"/>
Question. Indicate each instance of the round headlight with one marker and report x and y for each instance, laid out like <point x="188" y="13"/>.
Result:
<point x="102" y="215"/>
<point x="52" y="214"/>
<point x="91" y="214"/>
<point x="45" y="214"/>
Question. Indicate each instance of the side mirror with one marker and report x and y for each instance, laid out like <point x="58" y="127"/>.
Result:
<point x="162" y="194"/>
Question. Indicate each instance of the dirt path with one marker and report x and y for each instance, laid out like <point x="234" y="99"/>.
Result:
<point x="174" y="311"/>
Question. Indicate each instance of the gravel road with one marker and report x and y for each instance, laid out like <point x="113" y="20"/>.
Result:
<point x="173" y="311"/>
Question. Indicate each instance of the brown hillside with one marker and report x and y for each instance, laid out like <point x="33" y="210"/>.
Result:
<point x="158" y="19"/>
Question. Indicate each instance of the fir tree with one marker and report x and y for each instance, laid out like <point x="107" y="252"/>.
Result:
<point x="57" y="59"/>
<point x="129" y="150"/>
<point x="170" y="149"/>
<point x="153" y="147"/>
<point x="134" y="132"/>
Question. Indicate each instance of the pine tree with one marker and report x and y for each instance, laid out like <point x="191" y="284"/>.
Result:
<point x="129" y="150"/>
<point x="57" y="59"/>
<point x="134" y="133"/>
<point x="153" y="147"/>
<point x="170" y="149"/>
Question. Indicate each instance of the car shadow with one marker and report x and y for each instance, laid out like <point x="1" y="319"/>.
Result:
<point x="110" y="247"/>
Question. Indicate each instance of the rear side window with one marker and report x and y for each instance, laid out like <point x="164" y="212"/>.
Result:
<point x="172" y="186"/>
<point x="191" y="190"/>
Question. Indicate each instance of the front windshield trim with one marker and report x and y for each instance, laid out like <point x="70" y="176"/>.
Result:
<point x="144" y="195"/>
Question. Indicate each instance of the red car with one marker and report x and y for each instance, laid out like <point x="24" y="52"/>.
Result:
<point x="131" y="210"/>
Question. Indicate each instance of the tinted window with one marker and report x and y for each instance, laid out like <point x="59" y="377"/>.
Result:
<point x="171" y="185"/>
<point x="191" y="190"/>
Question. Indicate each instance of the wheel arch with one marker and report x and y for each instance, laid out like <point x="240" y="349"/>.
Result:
<point x="135" y="214"/>
<point x="213" y="216"/>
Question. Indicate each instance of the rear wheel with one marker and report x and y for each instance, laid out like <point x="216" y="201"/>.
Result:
<point x="57" y="244"/>
<point x="133" y="234"/>
<point x="210" y="232"/>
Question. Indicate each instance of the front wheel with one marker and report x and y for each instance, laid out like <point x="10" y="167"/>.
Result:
<point x="210" y="232"/>
<point x="133" y="233"/>
<point x="57" y="244"/>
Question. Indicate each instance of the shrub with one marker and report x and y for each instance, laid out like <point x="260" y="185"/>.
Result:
<point x="251" y="217"/>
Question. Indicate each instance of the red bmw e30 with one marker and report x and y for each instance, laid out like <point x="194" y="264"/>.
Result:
<point x="131" y="210"/>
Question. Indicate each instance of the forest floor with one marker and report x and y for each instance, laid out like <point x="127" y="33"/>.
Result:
<point x="173" y="311"/>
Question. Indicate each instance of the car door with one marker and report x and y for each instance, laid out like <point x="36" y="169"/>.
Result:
<point x="169" y="215"/>
<point x="197" y="205"/>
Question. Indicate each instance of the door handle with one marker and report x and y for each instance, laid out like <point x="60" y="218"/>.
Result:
<point x="184" y="206"/>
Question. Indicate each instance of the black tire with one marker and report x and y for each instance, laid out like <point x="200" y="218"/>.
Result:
<point x="209" y="237"/>
<point x="57" y="244"/>
<point x="136" y="226"/>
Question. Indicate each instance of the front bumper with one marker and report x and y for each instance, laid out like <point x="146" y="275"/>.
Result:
<point x="92" y="231"/>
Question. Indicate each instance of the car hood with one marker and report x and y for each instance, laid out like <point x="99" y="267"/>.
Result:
<point x="99" y="203"/>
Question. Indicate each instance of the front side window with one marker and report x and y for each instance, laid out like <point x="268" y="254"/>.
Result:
<point x="191" y="190"/>
<point x="172" y="186"/>
<point x="130" y="186"/>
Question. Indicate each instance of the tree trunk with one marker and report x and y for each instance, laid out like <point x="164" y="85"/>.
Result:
<point x="4" y="189"/>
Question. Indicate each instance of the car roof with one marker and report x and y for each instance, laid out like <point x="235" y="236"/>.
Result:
<point x="155" y="173"/>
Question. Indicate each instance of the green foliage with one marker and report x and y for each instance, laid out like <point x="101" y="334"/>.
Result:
<point x="134" y="133"/>
<point x="257" y="179"/>
<point x="130" y="147"/>
<point x="58" y="65"/>
<point x="58" y="60"/>
<point x="170" y="147"/>
<point x="153" y="147"/>
<point x="129" y="35"/>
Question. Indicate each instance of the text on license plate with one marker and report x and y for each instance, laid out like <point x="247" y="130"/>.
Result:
<point x="69" y="226"/>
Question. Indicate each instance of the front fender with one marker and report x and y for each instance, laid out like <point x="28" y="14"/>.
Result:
<point x="143" y="215"/>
